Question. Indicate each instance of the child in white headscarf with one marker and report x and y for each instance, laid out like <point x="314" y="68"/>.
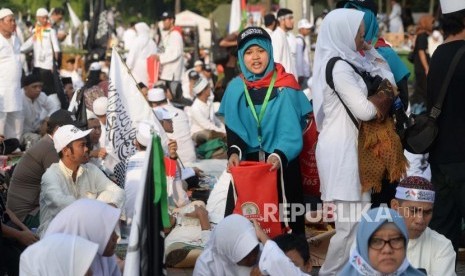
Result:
<point x="96" y="222"/>
<point x="58" y="254"/>
<point x="234" y="249"/>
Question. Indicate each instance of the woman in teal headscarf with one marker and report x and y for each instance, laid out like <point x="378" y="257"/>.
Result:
<point x="381" y="246"/>
<point x="273" y="135"/>
<point x="398" y="68"/>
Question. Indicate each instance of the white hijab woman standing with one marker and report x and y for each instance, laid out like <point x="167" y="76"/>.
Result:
<point x="142" y="48"/>
<point x="96" y="222"/>
<point x="341" y="35"/>
<point x="58" y="254"/>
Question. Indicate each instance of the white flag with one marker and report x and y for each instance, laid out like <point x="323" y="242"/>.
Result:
<point x="235" y="16"/>
<point x="75" y="21"/>
<point x="126" y="108"/>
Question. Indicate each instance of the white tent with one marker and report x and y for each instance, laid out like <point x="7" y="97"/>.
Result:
<point x="188" y="18"/>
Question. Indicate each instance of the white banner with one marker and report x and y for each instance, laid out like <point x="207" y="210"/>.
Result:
<point x="75" y="21"/>
<point x="235" y="16"/>
<point x="126" y="108"/>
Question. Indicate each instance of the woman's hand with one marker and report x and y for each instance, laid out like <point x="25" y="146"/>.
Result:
<point x="274" y="161"/>
<point x="233" y="161"/>
<point x="27" y="238"/>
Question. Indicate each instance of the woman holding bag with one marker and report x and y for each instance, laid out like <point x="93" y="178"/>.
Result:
<point x="271" y="131"/>
<point x="342" y="35"/>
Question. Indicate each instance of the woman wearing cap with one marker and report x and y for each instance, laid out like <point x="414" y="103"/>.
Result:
<point x="381" y="247"/>
<point x="271" y="131"/>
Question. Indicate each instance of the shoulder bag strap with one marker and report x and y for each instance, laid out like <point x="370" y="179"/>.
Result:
<point x="329" y="80"/>
<point x="436" y="109"/>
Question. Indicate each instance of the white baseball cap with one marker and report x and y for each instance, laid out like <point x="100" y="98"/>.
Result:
<point x="156" y="95"/>
<point x="5" y="13"/>
<point x="304" y="24"/>
<point x="200" y="85"/>
<point x="67" y="134"/>
<point x="450" y="6"/>
<point x="163" y="113"/>
<point x="42" y="12"/>
<point x="100" y="106"/>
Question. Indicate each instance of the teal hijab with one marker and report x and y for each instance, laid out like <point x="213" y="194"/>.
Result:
<point x="262" y="43"/>
<point x="398" y="68"/>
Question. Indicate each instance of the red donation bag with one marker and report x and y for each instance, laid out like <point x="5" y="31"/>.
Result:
<point x="307" y="160"/>
<point x="257" y="195"/>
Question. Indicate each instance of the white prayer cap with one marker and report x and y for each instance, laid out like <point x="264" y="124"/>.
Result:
<point x="156" y="95"/>
<point x="450" y="6"/>
<point x="200" y="85"/>
<point x="145" y="130"/>
<point x="304" y="24"/>
<point x="198" y="63"/>
<point x="95" y="66"/>
<point x="100" y="106"/>
<point x="163" y="113"/>
<point x="42" y="12"/>
<point x="67" y="134"/>
<point x="5" y="13"/>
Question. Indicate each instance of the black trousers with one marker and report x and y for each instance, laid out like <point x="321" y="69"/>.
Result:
<point x="449" y="204"/>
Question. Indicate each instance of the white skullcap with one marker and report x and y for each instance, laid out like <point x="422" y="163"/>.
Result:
<point x="42" y="12"/>
<point x="156" y="95"/>
<point x="198" y="63"/>
<point x="450" y="6"/>
<point x="100" y="106"/>
<point x="5" y="13"/>
<point x="95" y="66"/>
<point x="200" y="85"/>
<point x="304" y="24"/>
<point x="67" y="134"/>
<point x="145" y="130"/>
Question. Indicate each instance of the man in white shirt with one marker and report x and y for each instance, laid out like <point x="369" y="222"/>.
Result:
<point x="10" y="77"/>
<point x="45" y="45"/>
<point x="303" y="53"/>
<point x="36" y="107"/>
<point x="181" y="127"/>
<point x="73" y="178"/>
<point x="171" y="59"/>
<point x="205" y="125"/>
<point x="427" y="249"/>
<point x="283" y="52"/>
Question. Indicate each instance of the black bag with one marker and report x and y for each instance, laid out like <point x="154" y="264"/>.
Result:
<point x="421" y="134"/>
<point x="411" y="56"/>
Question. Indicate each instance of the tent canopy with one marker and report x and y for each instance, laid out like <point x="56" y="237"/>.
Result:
<point x="188" y="18"/>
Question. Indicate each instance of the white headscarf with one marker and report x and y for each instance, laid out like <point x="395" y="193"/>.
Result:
<point x="58" y="254"/>
<point x="231" y="240"/>
<point x="337" y="39"/>
<point x="143" y="32"/>
<point x="94" y="221"/>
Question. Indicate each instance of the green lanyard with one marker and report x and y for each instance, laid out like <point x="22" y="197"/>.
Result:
<point x="264" y="105"/>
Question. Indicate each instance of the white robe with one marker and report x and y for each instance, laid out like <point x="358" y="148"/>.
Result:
<point x="181" y="133"/>
<point x="433" y="252"/>
<point x="171" y="60"/>
<point x="281" y="50"/>
<point x="43" y="49"/>
<point x="395" y="21"/>
<point x="142" y="48"/>
<point x="10" y="76"/>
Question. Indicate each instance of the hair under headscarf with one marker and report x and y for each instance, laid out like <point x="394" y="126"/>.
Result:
<point x="425" y="24"/>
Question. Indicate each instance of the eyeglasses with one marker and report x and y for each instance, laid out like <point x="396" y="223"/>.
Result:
<point x="394" y="243"/>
